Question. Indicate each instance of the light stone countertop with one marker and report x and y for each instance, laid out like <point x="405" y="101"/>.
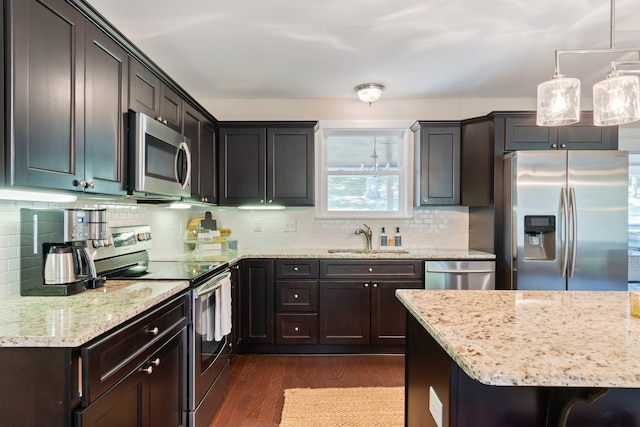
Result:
<point x="71" y="321"/>
<point x="534" y="338"/>
<point x="391" y="253"/>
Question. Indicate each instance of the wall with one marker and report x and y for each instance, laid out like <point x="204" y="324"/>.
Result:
<point x="435" y="228"/>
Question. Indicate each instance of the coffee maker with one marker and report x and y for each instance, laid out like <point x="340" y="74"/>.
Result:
<point x="54" y="253"/>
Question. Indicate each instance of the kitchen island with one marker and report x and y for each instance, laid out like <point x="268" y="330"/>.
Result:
<point x="521" y="358"/>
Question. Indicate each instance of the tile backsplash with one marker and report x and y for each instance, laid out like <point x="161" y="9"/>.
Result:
<point x="442" y="227"/>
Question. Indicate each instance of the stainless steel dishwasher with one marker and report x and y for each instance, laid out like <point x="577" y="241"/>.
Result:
<point x="473" y="275"/>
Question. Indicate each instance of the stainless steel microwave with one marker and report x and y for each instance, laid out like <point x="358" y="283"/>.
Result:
<point x="159" y="159"/>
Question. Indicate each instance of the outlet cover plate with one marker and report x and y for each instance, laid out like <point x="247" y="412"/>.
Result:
<point x="435" y="407"/>
<point x="289" y="225"/>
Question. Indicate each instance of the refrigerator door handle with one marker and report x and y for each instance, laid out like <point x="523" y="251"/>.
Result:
<point x="565" y="232"/>
<point x="574" y="231"/>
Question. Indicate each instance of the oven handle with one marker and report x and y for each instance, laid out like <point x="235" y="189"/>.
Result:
<point x="210" y="286"/>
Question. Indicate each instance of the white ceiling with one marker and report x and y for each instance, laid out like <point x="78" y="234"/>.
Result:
<point x="308" y="49"/>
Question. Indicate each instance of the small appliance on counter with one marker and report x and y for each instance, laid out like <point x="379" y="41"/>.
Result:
<point x="54" y="250"/>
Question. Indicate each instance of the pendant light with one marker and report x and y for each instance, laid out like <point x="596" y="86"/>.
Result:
<point x="615" y="99"/>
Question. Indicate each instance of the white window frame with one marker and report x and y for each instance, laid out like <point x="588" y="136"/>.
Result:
<point x="405" y="168"/>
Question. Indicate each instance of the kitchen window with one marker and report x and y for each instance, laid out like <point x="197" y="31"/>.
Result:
<point x="364" y="171"/>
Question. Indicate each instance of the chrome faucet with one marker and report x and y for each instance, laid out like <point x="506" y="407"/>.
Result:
<point x="367" y="234"/>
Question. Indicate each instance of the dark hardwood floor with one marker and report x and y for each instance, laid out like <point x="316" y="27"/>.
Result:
<point x="256" y="393"/>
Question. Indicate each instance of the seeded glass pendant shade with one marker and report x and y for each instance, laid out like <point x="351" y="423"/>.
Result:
<point x="616" y="101"/>
<point x="558" y="101"/>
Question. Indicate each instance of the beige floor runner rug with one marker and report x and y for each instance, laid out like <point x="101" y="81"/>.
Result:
<point x="343" y="407"/>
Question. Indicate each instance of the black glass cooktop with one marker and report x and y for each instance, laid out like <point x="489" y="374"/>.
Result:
<point x="171" y="270"/>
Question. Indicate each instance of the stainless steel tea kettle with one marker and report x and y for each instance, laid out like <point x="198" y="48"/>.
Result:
<point x="61" y="265"/>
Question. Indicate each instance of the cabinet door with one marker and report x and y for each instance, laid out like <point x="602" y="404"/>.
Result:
<point x="242" y="166"/>
<point x="290" y="167"/>
<point x="344" y="312"/>
<point x="171" y="106"/>
<point x="106" y="97"/>
<point x="208" y="164"/>
<point x="168" y="383"/>
<point x="388" y="315"/>
<point x="256" y="302"/>
<point x="522" y="133"/>
<point x="192" y="129"/>
<point x="438" y="167"/>
<point x="144" y="89"/>
<point x="126" y="404"/>
<point x="47" y="43"/>
<point x="585" y="136"/>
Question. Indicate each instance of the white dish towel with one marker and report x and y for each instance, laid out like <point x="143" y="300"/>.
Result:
<point x="222" y="314"/>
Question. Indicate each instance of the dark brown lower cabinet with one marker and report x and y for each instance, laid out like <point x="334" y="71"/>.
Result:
<point x="362" y="312"/>
<point x="154" y="394"/>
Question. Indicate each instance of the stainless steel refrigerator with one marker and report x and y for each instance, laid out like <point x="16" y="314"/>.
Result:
<point x="565" y="216"/>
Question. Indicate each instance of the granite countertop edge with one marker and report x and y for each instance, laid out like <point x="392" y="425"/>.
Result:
<point x="516" y="338"/>
<point x="71" y="321"/>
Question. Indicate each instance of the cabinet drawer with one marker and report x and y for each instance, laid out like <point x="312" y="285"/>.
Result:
<point x="365" y="269"/>
<point x="297" y="296"/>
<point x="296" y="329"/>
<point x="107" y="360"/>
<point x="296" y="269"/>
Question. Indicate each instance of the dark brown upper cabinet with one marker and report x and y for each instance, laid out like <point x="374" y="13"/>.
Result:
<point x="522" y="133"/>
<point x="437" y="163"/>
<point x="69" y="97"/>
<point x="201" y="133"/>
<point x="267" y="163"/>
<point x="151" y="96"/>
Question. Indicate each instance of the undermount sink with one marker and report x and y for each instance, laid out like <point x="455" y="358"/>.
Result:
<point x="368" y="251"/>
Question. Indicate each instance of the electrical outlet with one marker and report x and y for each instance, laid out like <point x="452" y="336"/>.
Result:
<point x="289" y="225"/>
<point x="435" y="407"/>
<point x="257" y="225"/>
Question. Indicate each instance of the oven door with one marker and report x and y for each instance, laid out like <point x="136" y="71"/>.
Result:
<point x="160" y="159"/>
<point x="211" y="353"/>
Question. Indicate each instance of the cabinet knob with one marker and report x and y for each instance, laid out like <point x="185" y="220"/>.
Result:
<point x="295" y="269"/>
<point x="261" y="200"/>
<point x="370" y="269"/>
<point x="159" y="118"/>
<point x="270" y="201"/>
<point x="148" y="370"/>
<point x="296" y="329"/>
<point x="155" y="331"/>
<point x="563" y="145"/>
<point x="375" y="285"/>
<point x="425" y="201"/>
<point x="366" y="285"/>
<point x="156" y="362"/>
<point x="164" y="122"/>
<point x="554" y="145"/>
<point x="296" y="296"/>
<point x="91" y="185"/>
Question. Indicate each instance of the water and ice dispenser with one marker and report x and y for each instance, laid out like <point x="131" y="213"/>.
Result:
<point x="539" y="237"/>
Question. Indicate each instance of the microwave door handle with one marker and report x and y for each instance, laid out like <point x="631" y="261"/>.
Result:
<point x="185" y="147"/>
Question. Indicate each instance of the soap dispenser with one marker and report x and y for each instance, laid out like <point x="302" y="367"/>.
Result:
<point x="397" y="239"/>
<point x="383" y="238"/>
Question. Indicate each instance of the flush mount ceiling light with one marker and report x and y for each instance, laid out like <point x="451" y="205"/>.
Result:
<point x="615" y="100"/>
<point x="369" y="92"/>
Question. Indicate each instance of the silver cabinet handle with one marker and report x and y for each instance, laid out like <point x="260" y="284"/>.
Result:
<point x="574" y="231"/>
<point x="148" y="370"/>
<point x="366" y="285"/>
<point x="155" y="331"/>
<point x="375" y="285"/>
<point x="370" y="270"/>
<point x="295" y="296"/>
<point x="295" y="269"/>
<point x="156" y="362"/>
<point x="296" y="329"/>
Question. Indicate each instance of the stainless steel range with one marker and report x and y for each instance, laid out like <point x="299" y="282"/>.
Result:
<point x="209" y="332"/>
